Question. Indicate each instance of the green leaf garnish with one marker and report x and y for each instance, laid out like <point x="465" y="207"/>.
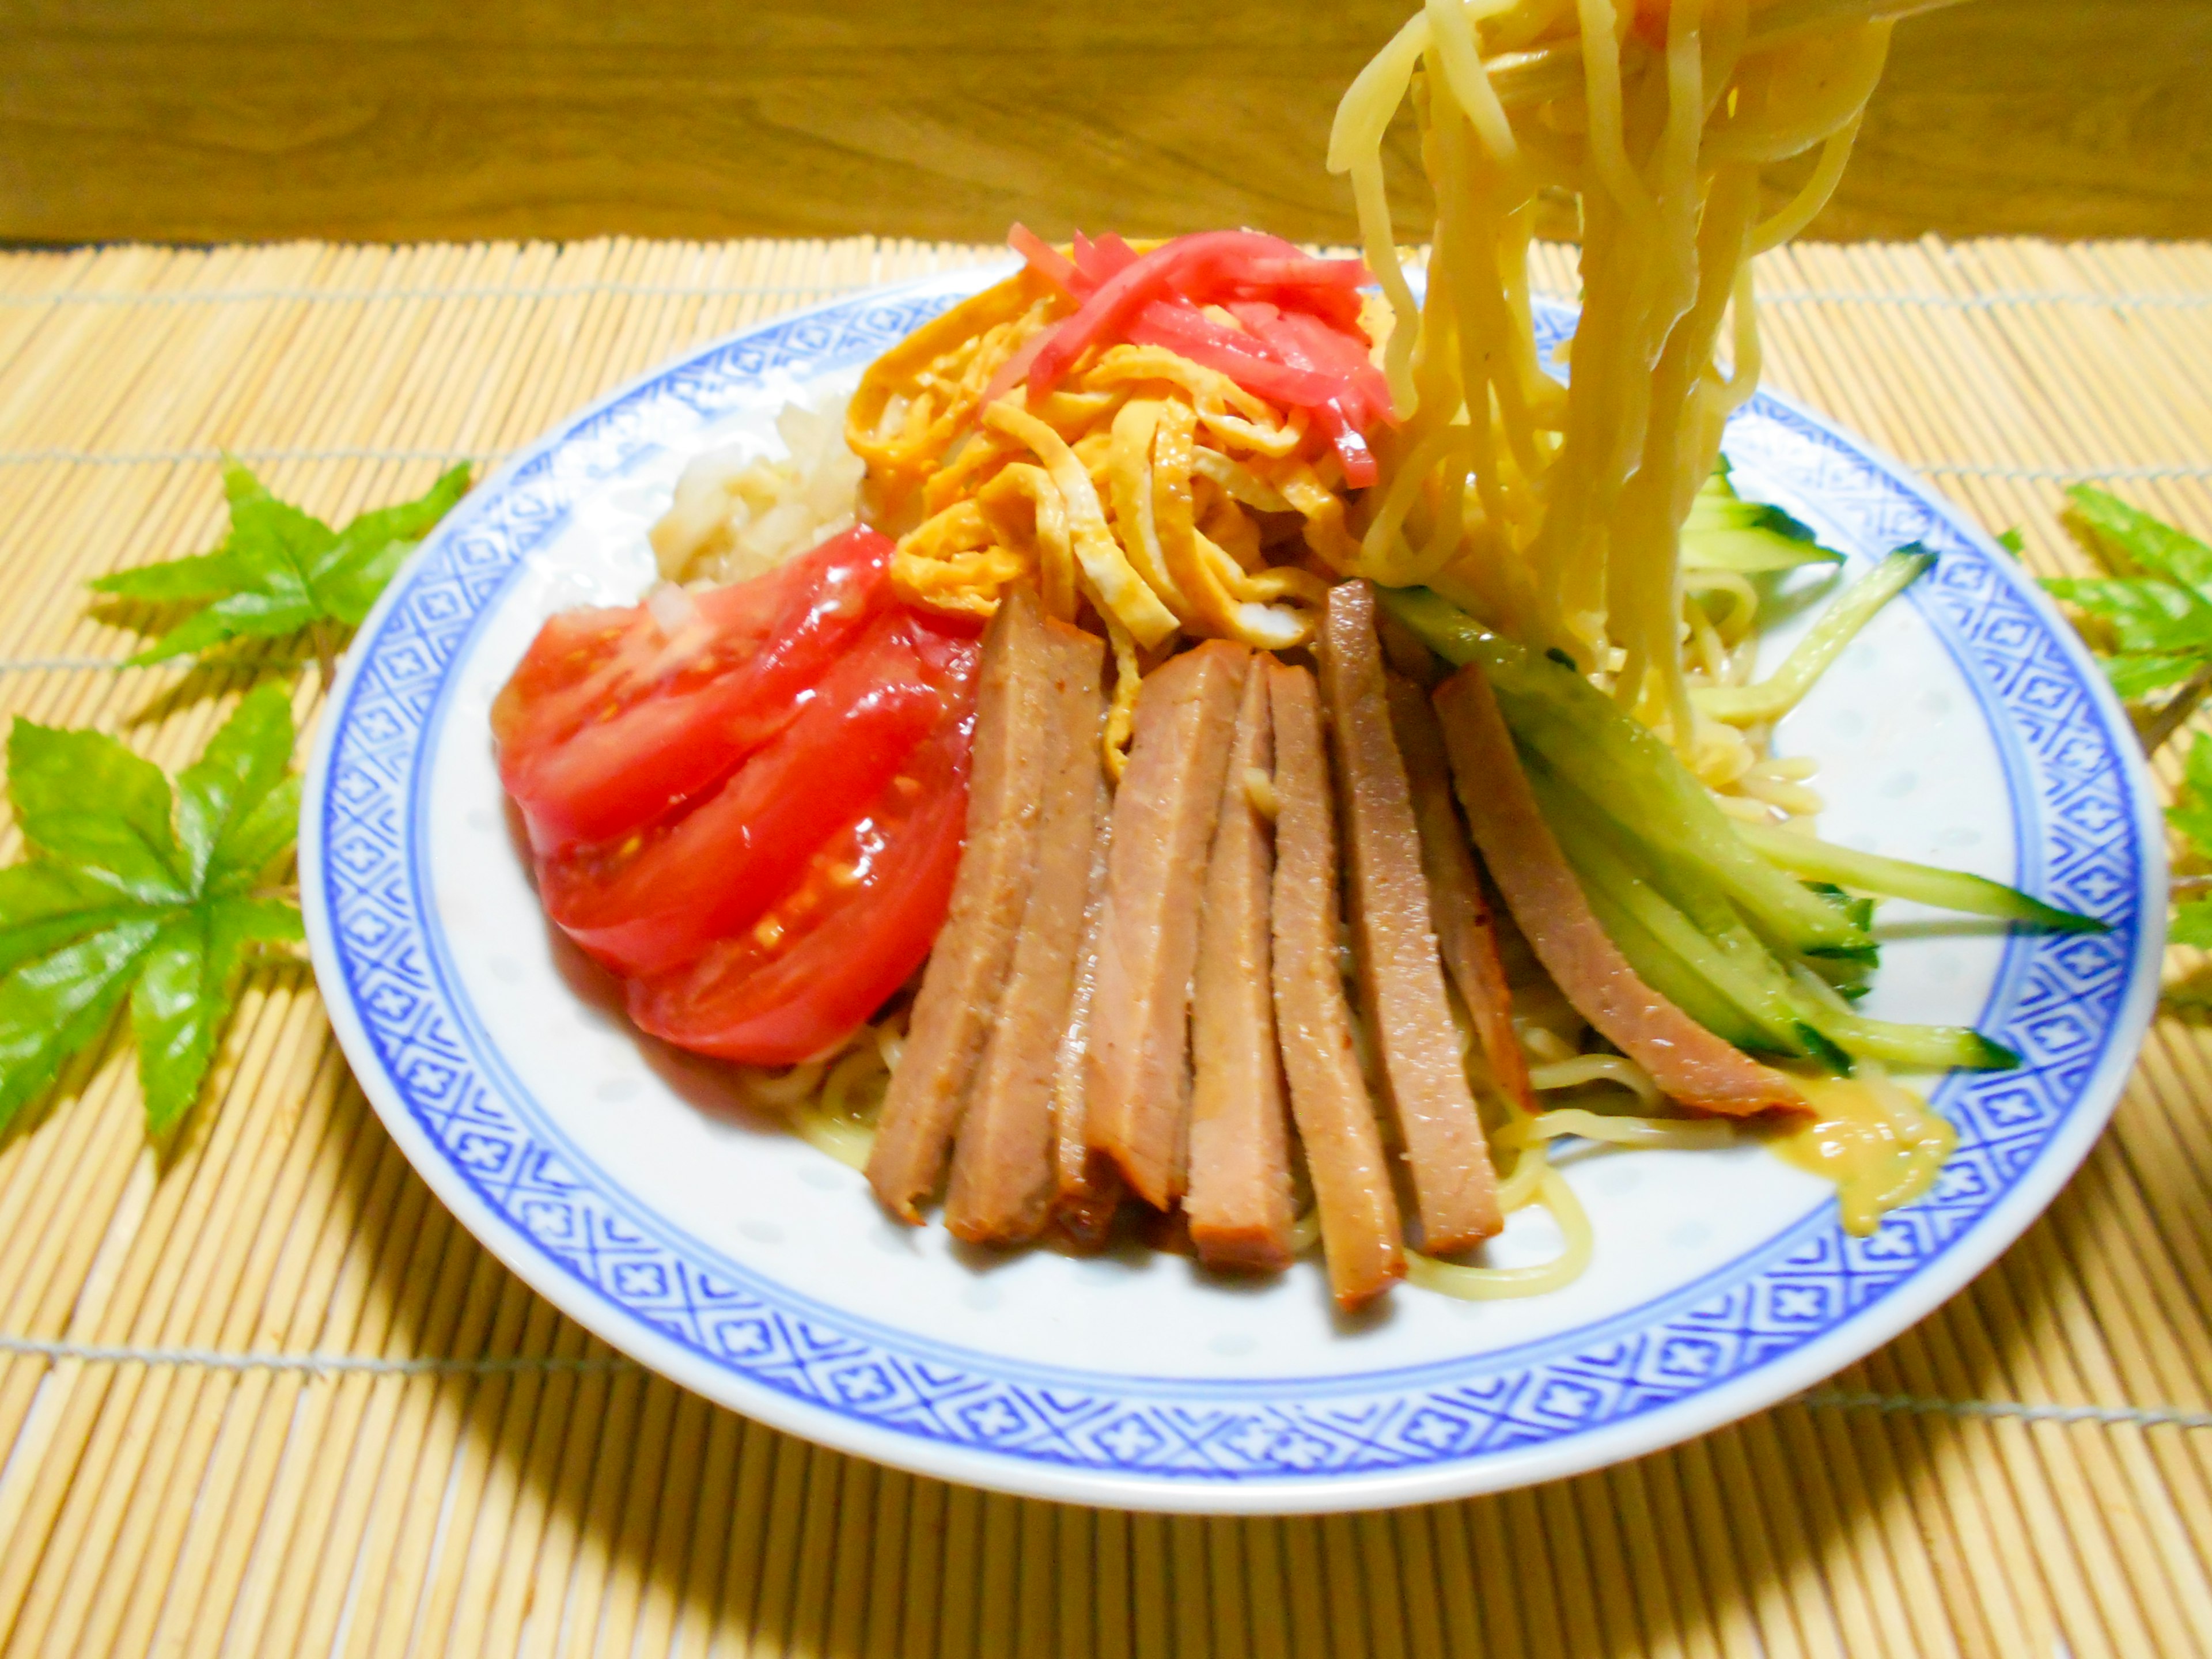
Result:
<point x="135" y="890"/>
<point x="2014" y="541"/>
<point x="2191" y="815"/>
<point x="280" y="571"/>
<point x="2192" y="924"/>
<point x="2156" y="607"/>
<point x="2127" y="538"/>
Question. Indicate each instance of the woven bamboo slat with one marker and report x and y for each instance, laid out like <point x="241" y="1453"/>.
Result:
<point x="2029" y="1471"/>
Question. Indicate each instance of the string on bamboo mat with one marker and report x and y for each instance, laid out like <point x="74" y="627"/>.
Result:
<point x="340" y="1364"/>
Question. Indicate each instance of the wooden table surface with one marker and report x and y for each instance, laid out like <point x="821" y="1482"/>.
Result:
<point x="249" y="120"/>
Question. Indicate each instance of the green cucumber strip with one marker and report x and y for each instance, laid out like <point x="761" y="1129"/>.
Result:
<point x="1836" y="1058"/>
<point x="1716" y="510"/>
<point x="1923" y="1047"/>
<point x="1852" y="610"/>
<point x="1697" y="972"/>
<point x="1860" y="910"/>
<point x="1947" y="890"/>
<point x="1751" y="551"/>
<point x="1578" y="732"/>
<point x="1674" y="979"/>
<point x="1443" y="626"/>
<point x="1684" y="886"/>
<point x="1723" y="531"/>
<point x="1681" y="882"/>
<point x="1762" y="1000"/>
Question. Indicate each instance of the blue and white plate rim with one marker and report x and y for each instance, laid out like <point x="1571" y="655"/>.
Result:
<point x="1591" y="1397"/>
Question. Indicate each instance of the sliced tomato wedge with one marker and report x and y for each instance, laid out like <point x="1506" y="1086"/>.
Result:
<point x="658" y="897"/>
<point x="611" y="721"/>
<point x="826" y="955"/>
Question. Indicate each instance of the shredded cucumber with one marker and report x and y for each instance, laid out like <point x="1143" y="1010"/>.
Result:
<point x="1726" y="532"/>
<point x="1924" y="1048"/>
<point x="1674" y="979"/>
<point x="1582" y="734"/>
<point x="1860" y="910"/>
<point x="1762" y="1000"/>
<point x="1763" y="960"/>
<point x="1947" y="890"/>
<point x="1785" y="1016"/>
<point x="1851" y="609"/>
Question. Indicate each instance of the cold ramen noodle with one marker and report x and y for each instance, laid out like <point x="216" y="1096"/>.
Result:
<point x="1217" y="744"/>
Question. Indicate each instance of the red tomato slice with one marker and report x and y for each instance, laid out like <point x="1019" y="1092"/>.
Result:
<point x="610" y="723"/>
<point x="853" y="930"/>
<point x="658" y="898"/>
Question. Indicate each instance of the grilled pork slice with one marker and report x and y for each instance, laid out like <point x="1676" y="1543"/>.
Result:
<point x="960" y="987"/>
<point x="1138" y="1088"/>
<point x="1688" y="1062"/>
<point x="1466" y="932"/>
<point x="1004" y="1169"/>
<point x="1088" y="1186"/>
<point x="1401" y="982"/>
<point x="1239" y="1204"/>
<point x="1359" y="1227"/>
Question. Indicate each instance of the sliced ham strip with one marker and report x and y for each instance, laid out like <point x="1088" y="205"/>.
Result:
<point x="1138" y="1088"/>
<point x="1688" y="1062"/>
<point x="1467" y="931"/>
<point x="1401" y="980"/>
<point x="1004" y="1169"/>
<point x="1239" y="1204"/>
<point x="967" y="968"/>
<point x="1089" y="1186"/>
<point x="1359" y="1227"/>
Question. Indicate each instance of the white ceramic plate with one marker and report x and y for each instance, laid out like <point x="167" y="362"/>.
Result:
<point x="1965" y="727"/>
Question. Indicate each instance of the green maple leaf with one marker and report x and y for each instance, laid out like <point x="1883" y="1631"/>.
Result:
<point x="137" y="890"/>
<point x="2127" y="536"/>
<point x="280" y="570"/>
<point x="2192" y="924"/>
<point x="2191" y="812"/>
<point x="2158" y="606"/>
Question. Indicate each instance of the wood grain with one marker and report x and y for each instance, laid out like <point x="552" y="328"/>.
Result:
<point x="246" y="119"/>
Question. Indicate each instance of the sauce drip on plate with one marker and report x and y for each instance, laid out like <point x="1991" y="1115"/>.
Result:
<point x="1878" y="1142"/>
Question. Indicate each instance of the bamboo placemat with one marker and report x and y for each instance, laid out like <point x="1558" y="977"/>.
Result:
<point x="273" y="1399"/>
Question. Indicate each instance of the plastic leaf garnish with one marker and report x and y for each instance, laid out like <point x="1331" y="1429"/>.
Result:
<point x="2157" y="609"/>
<point x="135" y="889"/>
<point x="2191" y="818"/>
<point x="280" y="571"/>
